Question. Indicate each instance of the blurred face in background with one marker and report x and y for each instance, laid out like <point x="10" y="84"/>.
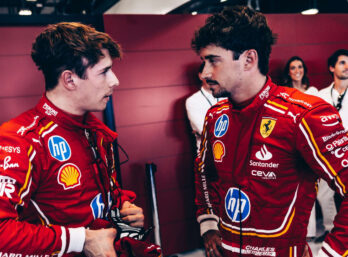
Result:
<point x="296" y="70"/>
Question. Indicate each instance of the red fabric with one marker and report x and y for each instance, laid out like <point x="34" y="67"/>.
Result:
<point x="263" y="162"/>
<point x="48" y="176"/>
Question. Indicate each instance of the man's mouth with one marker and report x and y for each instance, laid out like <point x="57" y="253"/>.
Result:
<point x="211" y="82"/>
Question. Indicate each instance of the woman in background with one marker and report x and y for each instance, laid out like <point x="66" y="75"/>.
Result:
<point x="295" y="75"/>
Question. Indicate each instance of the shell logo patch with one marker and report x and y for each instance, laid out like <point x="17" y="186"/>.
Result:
<point x="221" y="126"/>
<point x="267" y="125"/>
<point x="69" y="176"/>
<point x="219" y="151"/>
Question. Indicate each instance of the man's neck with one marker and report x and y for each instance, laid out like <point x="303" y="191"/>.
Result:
<point x="62" y="102"/>
<point x="340" y="85"/>
<point x="250" y="88"/>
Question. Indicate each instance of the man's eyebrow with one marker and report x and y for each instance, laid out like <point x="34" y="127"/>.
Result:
<point x="211" y="56"/>
<point x="106" y="68"/>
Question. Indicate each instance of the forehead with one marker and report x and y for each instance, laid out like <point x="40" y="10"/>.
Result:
<point x="214" y="51"/>
<point x="342" y="58"/>
<point x="295" y="63"/>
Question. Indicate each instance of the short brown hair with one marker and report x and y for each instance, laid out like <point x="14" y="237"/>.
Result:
<point x="70" y="46"/>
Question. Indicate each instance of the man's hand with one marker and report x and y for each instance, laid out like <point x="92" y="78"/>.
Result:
<point x="212" y="243"/>
<point x="132" y="214"/>
<point x="100" y="243"/>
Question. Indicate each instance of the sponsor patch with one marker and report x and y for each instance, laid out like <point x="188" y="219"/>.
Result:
<point x="265" y="93"/>
<point x="69" y="176"/>
<point x="264" y="174"/>
<point x="267" y="125"/>
<point x="264" y="164"/>
<point x="221" y="126"/>
<point x="329" y="120"/>
<point x="218" y="150"/>
<point x="339" y="152"/>
<point x="7" y="164"/>
<point x="3" y="254"/>
<point x="10" y="149"/>
<point x="49" y="110"/>
<point x="59" y="148"/>
<point x="336" y="143"/>
<point x="7" y="186"/>
<point x="263" y="154"/>
<point x="237" y="205"/>
<point x="97" y="206"/>
<point x="22" y="130"/>
<point x="326" y="138"/>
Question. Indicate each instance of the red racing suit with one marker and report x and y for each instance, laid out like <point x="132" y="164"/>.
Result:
<point x="256" y="171"/>
<point x="52" y="185"/>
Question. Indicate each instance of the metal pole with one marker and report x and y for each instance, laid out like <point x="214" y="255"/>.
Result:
<point x="150" y="170"/>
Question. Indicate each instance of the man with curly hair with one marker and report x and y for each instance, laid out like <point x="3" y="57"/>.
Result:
<point x="57" y="170"/>
<point x="262" y="149"/>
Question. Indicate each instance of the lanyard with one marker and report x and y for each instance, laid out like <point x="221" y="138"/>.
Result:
<point x="217" y="99"/>
<point x="340" y="98"/>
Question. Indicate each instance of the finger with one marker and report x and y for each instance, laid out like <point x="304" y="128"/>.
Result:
<point x="133" y="218"/>
<point x="126" y="205"/>
<point x="131" y="211"/>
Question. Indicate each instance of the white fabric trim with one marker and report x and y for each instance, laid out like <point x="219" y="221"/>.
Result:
<point x="77" y="239"/>
<point x="274" y="109"/>
<point x="318" y="160"/>
<point x="40" y="212"/>
<point x="208" y="225"/>
<point x="328" y="248"/>
<point x="50" y="130"/>
<point x="271" y="231"/>
<point x="63" y="238"/>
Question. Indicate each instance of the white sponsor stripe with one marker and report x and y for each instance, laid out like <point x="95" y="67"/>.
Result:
<point x="318" y="160"/>
<point x="50" y="130"/>
<point x="331" y="251"/>
<point x="332" y="124"/>
<point x="244" y="251"/>
<point x="63" y="238"/>
<point x="274" y="108"/>
<point x="26" y="191"/>
<point x="271" y="231"/>
<point x="32" y="156"/>
<point x="40" y="212"/>
<point x="295" y="251"/>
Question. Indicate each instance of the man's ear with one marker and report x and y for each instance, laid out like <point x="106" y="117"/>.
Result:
<point x="332" y="69"/>
<point x="67" y="77"/>
<point x="251" y="59"/>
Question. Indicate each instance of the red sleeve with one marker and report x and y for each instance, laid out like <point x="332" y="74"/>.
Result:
<point x="17" y="182"/>
<point x="323" y="143"/>
<point x="207" y="197"/>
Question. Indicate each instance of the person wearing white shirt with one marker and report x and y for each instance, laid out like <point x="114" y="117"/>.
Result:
<point x="334" y="94"/>
<point x="197" y="106"/>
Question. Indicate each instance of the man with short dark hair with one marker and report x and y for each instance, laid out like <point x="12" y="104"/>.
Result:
<point x="262" y="149"/>
<point x="334" y="94"/>
<point x="57" y="170"/>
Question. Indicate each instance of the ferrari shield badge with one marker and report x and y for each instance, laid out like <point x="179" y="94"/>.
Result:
<point x="267" y="126"/>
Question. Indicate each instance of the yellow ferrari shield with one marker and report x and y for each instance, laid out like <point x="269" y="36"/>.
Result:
<point x="267" y="126"/>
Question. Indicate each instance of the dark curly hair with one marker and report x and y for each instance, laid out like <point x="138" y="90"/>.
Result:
<point x="70" y="46"/>
<point x="237" y="29"/>
<point x="331" y="62"/>
<point x="287" y="81"/>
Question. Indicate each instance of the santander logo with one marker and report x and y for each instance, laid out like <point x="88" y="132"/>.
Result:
<point x="264" y="154"/>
